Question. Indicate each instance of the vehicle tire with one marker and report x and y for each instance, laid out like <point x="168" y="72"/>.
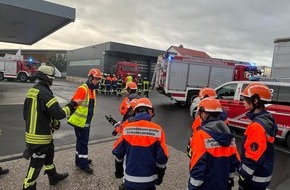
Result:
<point x="32" y="79"/>
<point x="287" y="140"/>
<point x="193" y="114"/>
<point x="23" y="77"/>
<point x="1" y="76"/>
<point x="190" y="97"/>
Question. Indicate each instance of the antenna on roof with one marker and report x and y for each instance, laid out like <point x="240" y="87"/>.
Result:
<point x="19" y="52"/>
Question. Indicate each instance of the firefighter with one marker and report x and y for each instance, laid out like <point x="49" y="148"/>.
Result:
<point x="119" y="85"/>
<point x="215" y="156"/>
<point x="204" y="93"/>
<point x="257" y="156"/>
<point x="143" y="144"/>
<point x="196" y="124"/>
<point x="120" y="125"/>
<point x="146" y="86"/>
<point x="123" y="108"/>
<point x="82" y="117"/>
<point x="114" y="84"/>
<point x="139" y="84"/>
<point x="42" y="113"/>
<point x="108" y="83"/>
<point x="128" y="79"/>
<point x="102" y="83"/>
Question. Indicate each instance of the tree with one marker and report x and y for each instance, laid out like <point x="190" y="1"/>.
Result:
<point x="59" y="61"/>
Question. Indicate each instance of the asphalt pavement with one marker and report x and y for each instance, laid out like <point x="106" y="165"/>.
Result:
<point x="100" y="147"/>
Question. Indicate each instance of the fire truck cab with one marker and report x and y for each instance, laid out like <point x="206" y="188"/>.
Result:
<point x="230" y="98"/>
<point x="127" y="68"/>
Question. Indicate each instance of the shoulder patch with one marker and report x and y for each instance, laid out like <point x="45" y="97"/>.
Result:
<point x="254" y="146"/>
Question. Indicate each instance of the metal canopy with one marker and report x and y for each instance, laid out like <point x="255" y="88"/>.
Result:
<point x="28" y="21"/>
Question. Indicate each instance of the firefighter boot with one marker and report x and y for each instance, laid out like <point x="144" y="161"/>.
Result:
<point x="55" y="177"/>
<point x="32" y="187"/>
<point x="122" y="186"/>
<point x="3" y="171"/>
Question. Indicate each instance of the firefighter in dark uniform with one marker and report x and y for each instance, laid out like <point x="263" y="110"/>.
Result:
<point x="42" y="113"/>
<point x="102" y="83"/>
<point x="257" y="157"/>
<point x="108" y="84"/>
<point x="146" y="86"/>
<point x="139" y="84"/>
<point x="119" y="85"/>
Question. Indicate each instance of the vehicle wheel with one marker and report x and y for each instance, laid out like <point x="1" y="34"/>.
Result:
<point x="287" y="140"/>
<point x="32" y="79"/>
<point x="22" y="77"/>
<point x="191" y="96"/>
<point x="193" y="113"/>
<point x="1" y="76"/>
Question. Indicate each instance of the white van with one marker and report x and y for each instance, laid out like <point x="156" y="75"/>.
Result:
<point x="230" y="98"/>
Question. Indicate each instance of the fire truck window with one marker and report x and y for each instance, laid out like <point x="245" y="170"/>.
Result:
<point x="227" y="92"/>
<point x="283" y="96"/>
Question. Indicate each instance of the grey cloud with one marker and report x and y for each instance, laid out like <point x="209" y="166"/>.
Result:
<point x="239" y="30"/>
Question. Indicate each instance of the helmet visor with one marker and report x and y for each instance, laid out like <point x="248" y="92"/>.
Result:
<point x="56" y="72"/>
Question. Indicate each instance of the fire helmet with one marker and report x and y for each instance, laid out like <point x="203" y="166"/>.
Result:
<point x="96" y="73"/>
<point x="210" y="105"/>
<point x="143" y="102"/>
<point x="132" y="86"/>
<point x="47" y="72"/>
<point x="133" y="103"/>
<point x="259" y="89"/>
<point x="207" y="92"/>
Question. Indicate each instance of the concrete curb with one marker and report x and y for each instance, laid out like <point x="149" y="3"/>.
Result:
<point x="57" y="149"/>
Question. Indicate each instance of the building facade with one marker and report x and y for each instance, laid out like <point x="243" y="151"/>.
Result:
<point x="105" y="57"/>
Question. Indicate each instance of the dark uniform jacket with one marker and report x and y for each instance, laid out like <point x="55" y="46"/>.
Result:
<point x="258" y="149"/>
<point x="40" y="110"/>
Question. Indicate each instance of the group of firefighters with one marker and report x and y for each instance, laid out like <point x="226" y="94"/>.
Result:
<point x="141" y="151"/>
<point x="115" y="85"/>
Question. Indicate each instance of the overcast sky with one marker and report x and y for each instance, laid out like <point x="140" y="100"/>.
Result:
<point x="241" y="30"/>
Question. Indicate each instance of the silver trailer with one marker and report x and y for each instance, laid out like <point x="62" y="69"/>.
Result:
<point x="281" y="60"/>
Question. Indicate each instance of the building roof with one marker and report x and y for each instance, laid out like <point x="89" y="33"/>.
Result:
<point x="26" y="22"/>
<point x="189" y="52"/>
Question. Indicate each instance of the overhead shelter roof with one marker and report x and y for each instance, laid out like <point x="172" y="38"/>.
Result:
<point x="26" y="22"/>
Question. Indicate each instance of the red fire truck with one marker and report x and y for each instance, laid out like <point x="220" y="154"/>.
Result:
<point x="15" y="67"/>
<point x="127" y="68"/>
<point x="181" y="78"/>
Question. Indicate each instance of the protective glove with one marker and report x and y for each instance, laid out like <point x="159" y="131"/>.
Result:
<point x="114" y="133"/>
<point x="244" y="183"/>
<point x="55" y="124"/>
<point x="119" y="173"/>
<point x="231" y="183"/>
<point x="27" y="153"/>
<point x="111" y="120"/>
<point x="160" y="174"/>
